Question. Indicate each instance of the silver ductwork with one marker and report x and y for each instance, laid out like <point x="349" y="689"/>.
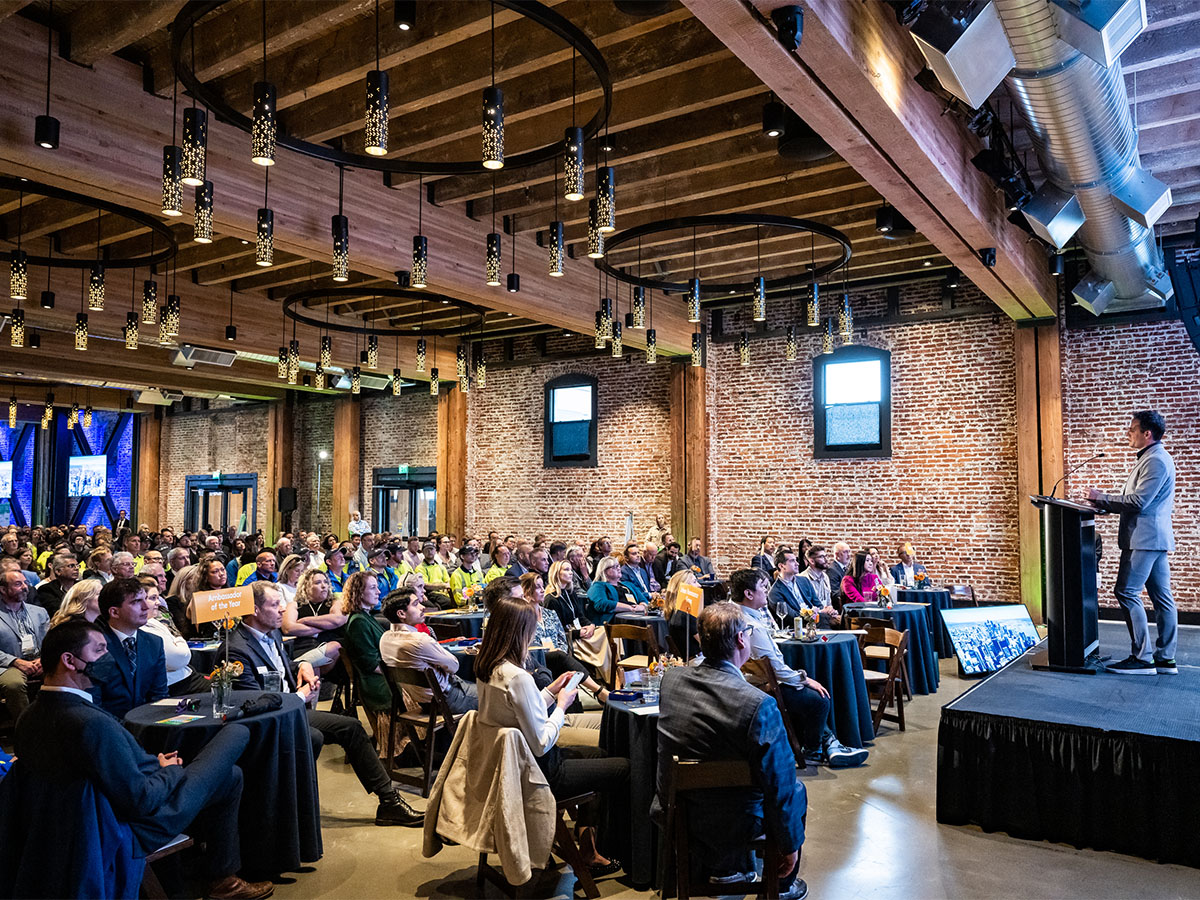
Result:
<point x="1067" y="80"/>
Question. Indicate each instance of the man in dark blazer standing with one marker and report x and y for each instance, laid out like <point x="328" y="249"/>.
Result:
<point x="134" y="671"/>
<point x="257" y="645"/>
<point x="64" y="736"/>
<point x="1145" y="537"/>
<point x="710" y="712"/>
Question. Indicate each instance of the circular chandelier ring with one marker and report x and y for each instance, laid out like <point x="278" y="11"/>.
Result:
<point x="738" y="220"/>
<point x="294" y="306"/>
<point x="170" y="246"/>
<point x="530" y="9"/>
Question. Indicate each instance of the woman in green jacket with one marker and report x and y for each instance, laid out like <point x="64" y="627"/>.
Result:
<point x="363" y="632"/>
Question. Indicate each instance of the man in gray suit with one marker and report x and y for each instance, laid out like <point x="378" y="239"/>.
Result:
<point x="22" y="629"/>
<point x="1145" y="504"/>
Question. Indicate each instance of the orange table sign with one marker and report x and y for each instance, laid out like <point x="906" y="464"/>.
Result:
<point x="690" y="599"/>
<point x="209" y="606"/>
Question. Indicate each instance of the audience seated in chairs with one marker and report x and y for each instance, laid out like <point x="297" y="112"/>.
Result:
<point x="509" y="698"/>
<point x="81" y="602"/>
<point x="22" y="629"/>
<point x="633" y="575"/>
<point x="570" y="603"/>
<point x="316" y="619"/>
<point x="607" y="596"/>
<point x="405" y="646"/>
<point x="257" y="645"/>
<point x="69" y="751"/>
<point x="807" y="700"/>
<point x="560" y="659"/>
<point x="709" y="712"/>
<point x="860" y="584"/>
<point x="700" y="564"/>
<point x="177" y="655"/>
<point x="815" y="586"/>
<point x="908" y="572"/>
<point x="134" y="670"/>
<point x="363" y="633"/>
<point x="683" y="628"/>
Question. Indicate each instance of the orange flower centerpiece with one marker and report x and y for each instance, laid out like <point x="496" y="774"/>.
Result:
<point x="920" y="578"/>
<point x="883" y="596"/>
<point x="806" y="625"/>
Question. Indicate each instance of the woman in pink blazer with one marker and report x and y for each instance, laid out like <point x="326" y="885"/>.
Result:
<point x="861" y="583"/>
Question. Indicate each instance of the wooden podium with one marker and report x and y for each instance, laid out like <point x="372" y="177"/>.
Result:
<point x="1069" y="586"/>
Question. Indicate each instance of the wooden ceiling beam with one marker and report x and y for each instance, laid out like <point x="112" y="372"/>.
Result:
<point x="99" y="29"/>
<point x="44" y="218"/>
<point x="852" y="80"/>
<point x="244" y="267"/>
<point x="11" y="201"/>
<point x="296" y="279"/>
<point x="81" y="238"/>
<point x="1155" y="48"/>
<point x="11" y="8"/>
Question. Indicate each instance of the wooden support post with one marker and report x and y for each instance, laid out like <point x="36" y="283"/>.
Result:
<point x="279" y="461"/>
<point x="149" y="448"/>
<point x="1039" y="446"/>
<point x="689" y="454"/>
<point x="347" y="447"/>
<point x="452" y="462"/>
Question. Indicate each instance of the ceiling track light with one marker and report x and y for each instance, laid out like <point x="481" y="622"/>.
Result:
<point x="953" y="278"/>
<point x="404" y="14"/>
<point x="263" y="128"/>
<point x="203" y="228"/>
<point x="1057" y="264"/>
<point x="195" y="145"/>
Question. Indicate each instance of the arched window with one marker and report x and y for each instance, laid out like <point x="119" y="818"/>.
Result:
<point x="570" y="421"/>
<point x="852" y="403"/>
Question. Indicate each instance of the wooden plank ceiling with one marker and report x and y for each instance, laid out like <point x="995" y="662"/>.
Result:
<point x="684" y="135"/>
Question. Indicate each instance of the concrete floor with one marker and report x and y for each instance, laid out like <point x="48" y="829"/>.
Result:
<point x="871" y="834"/>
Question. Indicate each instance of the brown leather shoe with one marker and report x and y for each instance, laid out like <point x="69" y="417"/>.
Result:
<point x="234" y="888"/>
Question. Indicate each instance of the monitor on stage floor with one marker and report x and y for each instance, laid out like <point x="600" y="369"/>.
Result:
<point x="988" y="637"/>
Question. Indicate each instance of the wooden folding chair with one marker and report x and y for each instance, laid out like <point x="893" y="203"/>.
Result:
<point x="444" y="631"/>
<point x="345" y="695"/>
<point x="962" y="596"/>
<point x="686" y="776"/>
<point x="760" y="674"/>
<point x="152" y="888"/>
<point x="412" y="722"/>
<point x="565" y="847"/>
<point x="641" y="633"/>
<point x="873" y="652"/>
<point x="886" y="687"/>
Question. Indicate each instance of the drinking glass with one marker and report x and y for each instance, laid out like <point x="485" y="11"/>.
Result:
<point x="273" y="681"/>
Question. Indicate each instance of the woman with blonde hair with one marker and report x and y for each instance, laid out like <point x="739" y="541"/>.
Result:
<point x="314" y="618"/>
<point x="550" y="631"/>
<point x="363" y="631"/>
<point x="607" y="596"/>
<point x="290" y="571"/>
<point x="81" y="600"/>
<point x="682" y="627"/>
<point x="570" y="604"/>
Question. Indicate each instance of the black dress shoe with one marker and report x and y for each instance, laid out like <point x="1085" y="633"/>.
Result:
<point x="394" y="811"/>
<point x="608" y="868"/>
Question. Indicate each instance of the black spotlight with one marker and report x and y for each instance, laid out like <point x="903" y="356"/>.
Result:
<point x="514" y="282"/>
<point x="403" y="278"/>
<point x="47" y="299"/>
<point x="772" y="118"/>
<point x="1057" y="265"/>
<point x="45" y="132"/>
<point x="987" y="256"/>
<point x="800" y="142"/>
<point x="35" y="341"/>
<point x="405" y="14"/>
<point x="891" y="224"/>
<point x="953" y="277"/>
<point x="789" y="22"/>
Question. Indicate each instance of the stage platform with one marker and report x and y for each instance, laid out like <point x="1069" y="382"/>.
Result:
<point x="1110" y="762"/>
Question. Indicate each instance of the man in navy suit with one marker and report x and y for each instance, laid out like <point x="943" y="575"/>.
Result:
<point x="633" y="575"/>
<point x="64" y="736"/>
<point x="22" y="629"/>
<point x="905" y="572"/>
<point x="256" y="643"/>
<point x="134" y="671"/>
<point x="789" y="587"/>
<point x="710" y="712"/>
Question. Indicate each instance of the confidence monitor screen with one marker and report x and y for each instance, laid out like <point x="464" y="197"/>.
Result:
<point x="988" y="637"/>
<point x="87" y="476"/>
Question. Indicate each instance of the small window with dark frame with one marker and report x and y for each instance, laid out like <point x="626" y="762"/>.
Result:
<point x="570" y="422"/>
<point x="852" y="403"/>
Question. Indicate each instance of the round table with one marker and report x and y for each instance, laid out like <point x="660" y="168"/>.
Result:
<point x="922" y="661"/>
<point x="837" y="664"/>
<point x="279" y="771"/>
<point x="470" y="623"/>
<point x="205" y="656"/>
<point x="937" y="600"/>
<point x="654" y="621"/>
<point x="630" y="836"/>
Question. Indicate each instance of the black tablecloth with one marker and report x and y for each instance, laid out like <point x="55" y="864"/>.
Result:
<point x="922" y="657"/>
<point x="655" y="623"/>
<point x="470" y="623"/>
<point x="204" y="659"/>
<point x="280" y="817"/>
<point x="837" y="664"/>
<point x="635" y="737"/>
<point x="937" y="600"/>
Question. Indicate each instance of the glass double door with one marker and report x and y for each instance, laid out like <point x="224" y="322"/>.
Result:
<point x="221" y="503"/>
<point x="404" y="500"/>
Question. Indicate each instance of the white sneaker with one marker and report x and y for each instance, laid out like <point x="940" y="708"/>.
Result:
<point x="839" y="756"/>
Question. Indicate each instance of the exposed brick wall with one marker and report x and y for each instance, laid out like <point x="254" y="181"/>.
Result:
<point x="312" y="425"/>
<point x="509" y="490"/>
<point x="1107" y="374"/>
<point x="396" y="431"/>
<point x="949" y="485"/>
<point x="232" y="440"/>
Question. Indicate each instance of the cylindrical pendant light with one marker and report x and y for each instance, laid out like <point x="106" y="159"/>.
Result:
<point x="172" y="181"/>
<point x="606" y="312"/>
<point x="282" y="368"/>
<point x="420" y="354"/>
<point x="293" y="355"/>
<point x="493" y="259"/>
<point x="164" y="331"/>
<point x="231" y="329"/>
<point x="693" y="300"/>
<point x="651" y="346"/>
<point x="264" y="238"/>
<point x="87" y="417"/>
<point x="326" y="357"/>
<point x="600" y="338"/>
<point x="45" y="127"/>
<point x="595" y="237"/>
<point x="618" y="345"/>
<point x="203" y="233"/>
<point x="420" y="261"/>
<point x="174" y="314"/>
<point x="744" y="348"/>
<point x="790" y="346"/>
<point x="760" y="299"/>
<point x="356" y="380"/>
<point x="639" y="307"/>
<point x="827" y="338"/>
<point x="697" y="350"/>
<point x="12" y="412"/>
<point x="397" y="383"/>
<point x="376" y="123"/>
<point x="433" y="382"/>
<point x="480" y="367"/>
<point x="195" y="144"/>
<point x="372" y="352"/>
<point x="814" y="307"/>
<point x="149" y="302"/>
<point x="460" y="361"/>
<point x="493" y="128"/>
<point x="340" y="227"/>
<point x="846" y="320"/>
<point x="131" y="331"/>
<point x="557" y="253"/>
<point x="81" y="331"/>
<point x="16" y="325"/>
<point x="18" y="275"/>
<point x="262" y="132"/>
<point x="573" y="164"/>
<point x="606" y="200"/>
<point x="96" y="287"/>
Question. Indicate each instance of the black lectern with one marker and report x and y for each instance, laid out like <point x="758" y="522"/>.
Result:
<point x="1069" y="585"/>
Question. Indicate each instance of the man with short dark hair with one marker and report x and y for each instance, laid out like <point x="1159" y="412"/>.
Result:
<point x="668" y="563"/>
<point x="404" y="646"/>
<point x="64" y="737"/>
<point x="22" y="631"/>
<point x="787" y="588"/>
<point x="257" y="645"/>
<point x="64" y="572"/>
<point x="466" y="575"/>
<point x="807" y="700"/>
<point x="558" y="551"/>
<point x="814" y="584"/>
<point x="709" y="712"/>
<point x="134" y="671"/>
<point x="521" y="560"/>
<point x="1144" y="537"/>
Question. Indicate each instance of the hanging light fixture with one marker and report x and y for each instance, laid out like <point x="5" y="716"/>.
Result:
<point x="493" y="246"/>
<point x="420" y="354"/>
<point x="600" y="338"/>
<point x="47" y="300"/>
<point x="760" y="283"/>
<point x="149" y="302"/>
<point x="651" y="346"/>
<point x="595" y="238"/>
<point x="744" y="348"/>
<point x="12" y="411"/>
<point x="231" y="329"/>
<point x="195" y="141"/>
<point x="131" y="331"/>
<point x="846" y="320"/>
<point x="618" y="346"/>
<point x="697" y="350"/>
<point x="572" y="150"/>
<point x="264" y="235"/>
<point x="341" y="235"/>
<point x="283" y="362"/>
<point x="397" y="382"/>
<point x="262" y="131"/>
<point x="164" y="331"/>
<point x="73" y="417"/>
<point x="790" y="346"/>
<point x="606" y="199"/>
<point x="404" y="14"/>
<point x="81" y="331"/>
<point x="48" y="411"/>
<point x="814" y="306"/>
<point x="420" y="258"/>
<point x="693" y="300"/>
<point x="203" y="227"/>
<point x="376" y="121"/>
<point x="639" y="307"/>
<point x="827" y="338"/>
<point x="480" y="360"/>
<point x="16" y="325"/>
<point x="172" y="167"/>
<point x="433" y="382"/>
<point x="174" y="314"/>
<point x="45" y="127"/>
<point x="460" y="362"/>
<point x="326" y="357"/>
<point x="372" y="352"/>
<point x="293" y="358"/>
<point x="606" y="314"/>
<point x="87" y="416"/>
<point x="96" y="287"/>
<point x="18" y="266"/>
<point x="557" y="249"/>
<point x="493" y="114"/>
<point x="514" y="280"/>
<point x="356" y="380"/>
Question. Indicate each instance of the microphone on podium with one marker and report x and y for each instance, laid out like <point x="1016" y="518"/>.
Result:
<point x="1099" y="455"/>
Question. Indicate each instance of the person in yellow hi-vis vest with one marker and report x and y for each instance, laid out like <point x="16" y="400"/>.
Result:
<point x="465" y="575"/>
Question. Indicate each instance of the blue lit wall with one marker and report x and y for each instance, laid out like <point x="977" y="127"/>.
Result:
<point x="110" y="434"/>
<point x="17" y="445"/>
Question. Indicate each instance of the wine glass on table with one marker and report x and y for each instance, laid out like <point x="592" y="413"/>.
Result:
<point x="781" y="610"/>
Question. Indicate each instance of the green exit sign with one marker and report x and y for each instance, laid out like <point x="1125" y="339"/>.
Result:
<point x="401" y="470"/>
